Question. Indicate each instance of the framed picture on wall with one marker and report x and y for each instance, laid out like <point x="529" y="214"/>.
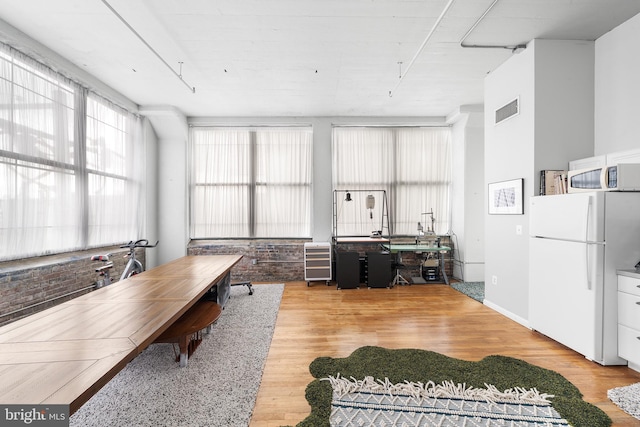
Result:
<point x="505" y="197"/>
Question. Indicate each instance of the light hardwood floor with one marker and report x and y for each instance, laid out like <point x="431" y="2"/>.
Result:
<point x="322" y="321"/>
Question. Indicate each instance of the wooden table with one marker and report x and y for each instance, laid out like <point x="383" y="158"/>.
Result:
<point x="65" y="354"/>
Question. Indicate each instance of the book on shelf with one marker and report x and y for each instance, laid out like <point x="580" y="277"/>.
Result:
<point x="553" y="182"/>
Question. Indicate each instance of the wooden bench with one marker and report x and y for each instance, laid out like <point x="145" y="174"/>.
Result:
<point x="187" y="330"/>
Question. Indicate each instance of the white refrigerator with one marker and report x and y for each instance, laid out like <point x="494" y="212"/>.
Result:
<point x="577" y="243"/>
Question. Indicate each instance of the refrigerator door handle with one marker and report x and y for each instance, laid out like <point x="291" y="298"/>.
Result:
<point x="586" y="246"/>
<point x="586" y="250"/>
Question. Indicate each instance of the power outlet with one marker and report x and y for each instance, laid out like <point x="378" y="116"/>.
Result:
<point x="494" y="280"/>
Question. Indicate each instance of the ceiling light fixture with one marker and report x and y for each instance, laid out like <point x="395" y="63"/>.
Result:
<point x="179" y="75"/>
<point x="514" y="48"/>
<point x="424" y="43"/>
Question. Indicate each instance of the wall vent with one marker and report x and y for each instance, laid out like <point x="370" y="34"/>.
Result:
<point x="508" y="111"/>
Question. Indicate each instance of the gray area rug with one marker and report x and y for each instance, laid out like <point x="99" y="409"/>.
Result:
<point x="627" y="398"/>
<point x="219" y="385"/>
<point x="474" y="290"/>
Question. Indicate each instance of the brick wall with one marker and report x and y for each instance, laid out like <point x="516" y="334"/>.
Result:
<point x="31" y="285"/>
<point x="262" y="260"/>
<point x="283" y="260"/>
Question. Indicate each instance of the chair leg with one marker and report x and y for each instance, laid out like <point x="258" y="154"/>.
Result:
<point x="247" y="284"/>
<point x="399" y="280"/>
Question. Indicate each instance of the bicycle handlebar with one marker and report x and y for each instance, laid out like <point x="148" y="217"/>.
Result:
<point x="142" y="243"/>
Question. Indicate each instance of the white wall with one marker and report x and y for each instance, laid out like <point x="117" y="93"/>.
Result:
<point x="554" y="82"/>
<point x="322" y="214"/>
<point x="151" y="192"/>
<point x="564" y="102"/>
<point x="473" y="246"/>
<point x="617" y="89"/>
<point x="172" y="182"/>
<point x="508" y="155"/>
<point x="467" y="193"/>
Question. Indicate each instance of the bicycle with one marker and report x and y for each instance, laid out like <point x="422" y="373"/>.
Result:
<point x="133" y="267"/>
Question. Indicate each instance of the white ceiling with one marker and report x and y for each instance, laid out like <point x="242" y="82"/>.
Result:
<point x="302" y="57"/>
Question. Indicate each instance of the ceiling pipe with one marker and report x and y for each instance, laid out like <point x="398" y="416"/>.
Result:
<point x="191" y="88"/>
<point x="514" y="48"/>
<point x="422" y="46"/>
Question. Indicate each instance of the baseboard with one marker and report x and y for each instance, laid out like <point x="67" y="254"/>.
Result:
<point x="515" y="318"/>
<point x="633" y="366"/>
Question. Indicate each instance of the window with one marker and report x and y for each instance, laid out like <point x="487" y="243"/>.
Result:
<point x="412" y="164"/>
<point x="250" y="182"/>
<point x="114" y="170"/>
<point x="51" y="154"/>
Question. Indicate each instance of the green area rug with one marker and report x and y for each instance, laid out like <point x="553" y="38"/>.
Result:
<point x="387" y="369"/>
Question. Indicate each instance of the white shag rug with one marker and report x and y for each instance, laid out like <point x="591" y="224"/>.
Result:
<point x="219" y="385"/>
<point x="627" y="398"/>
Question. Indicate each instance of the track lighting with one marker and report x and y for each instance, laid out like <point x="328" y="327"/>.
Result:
<point x="179" y="75"/>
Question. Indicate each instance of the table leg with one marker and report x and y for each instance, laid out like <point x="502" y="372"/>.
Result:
<point x="183" y="343"/>
<point x="442" y="269"/>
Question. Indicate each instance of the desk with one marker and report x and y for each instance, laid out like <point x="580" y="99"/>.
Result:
<point x="65" y="354"/>
<point x="361" y="240"/>
<point x="421" y="248"/>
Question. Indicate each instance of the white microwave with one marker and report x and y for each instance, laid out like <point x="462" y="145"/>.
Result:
<point x="622" y="177"/>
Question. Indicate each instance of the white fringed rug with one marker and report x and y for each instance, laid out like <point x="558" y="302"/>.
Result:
<point x="627" y="398"/>
<point x="371" y="402"/>
<point x="219" y="385"/>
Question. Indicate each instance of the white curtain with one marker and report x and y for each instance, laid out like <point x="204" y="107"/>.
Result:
<point x="283" y="183"/>
<point x="362" y="166"/>
<point x="45" y="189"/>
<point x="412" y="165"/>
<point x="423" y="180"/>
<point x="220" y="182"/>
<point x="250" y="182"/>
<point x="115" y="170"/>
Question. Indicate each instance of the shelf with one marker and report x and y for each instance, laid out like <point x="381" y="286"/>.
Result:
<point x="317" y="261"/>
